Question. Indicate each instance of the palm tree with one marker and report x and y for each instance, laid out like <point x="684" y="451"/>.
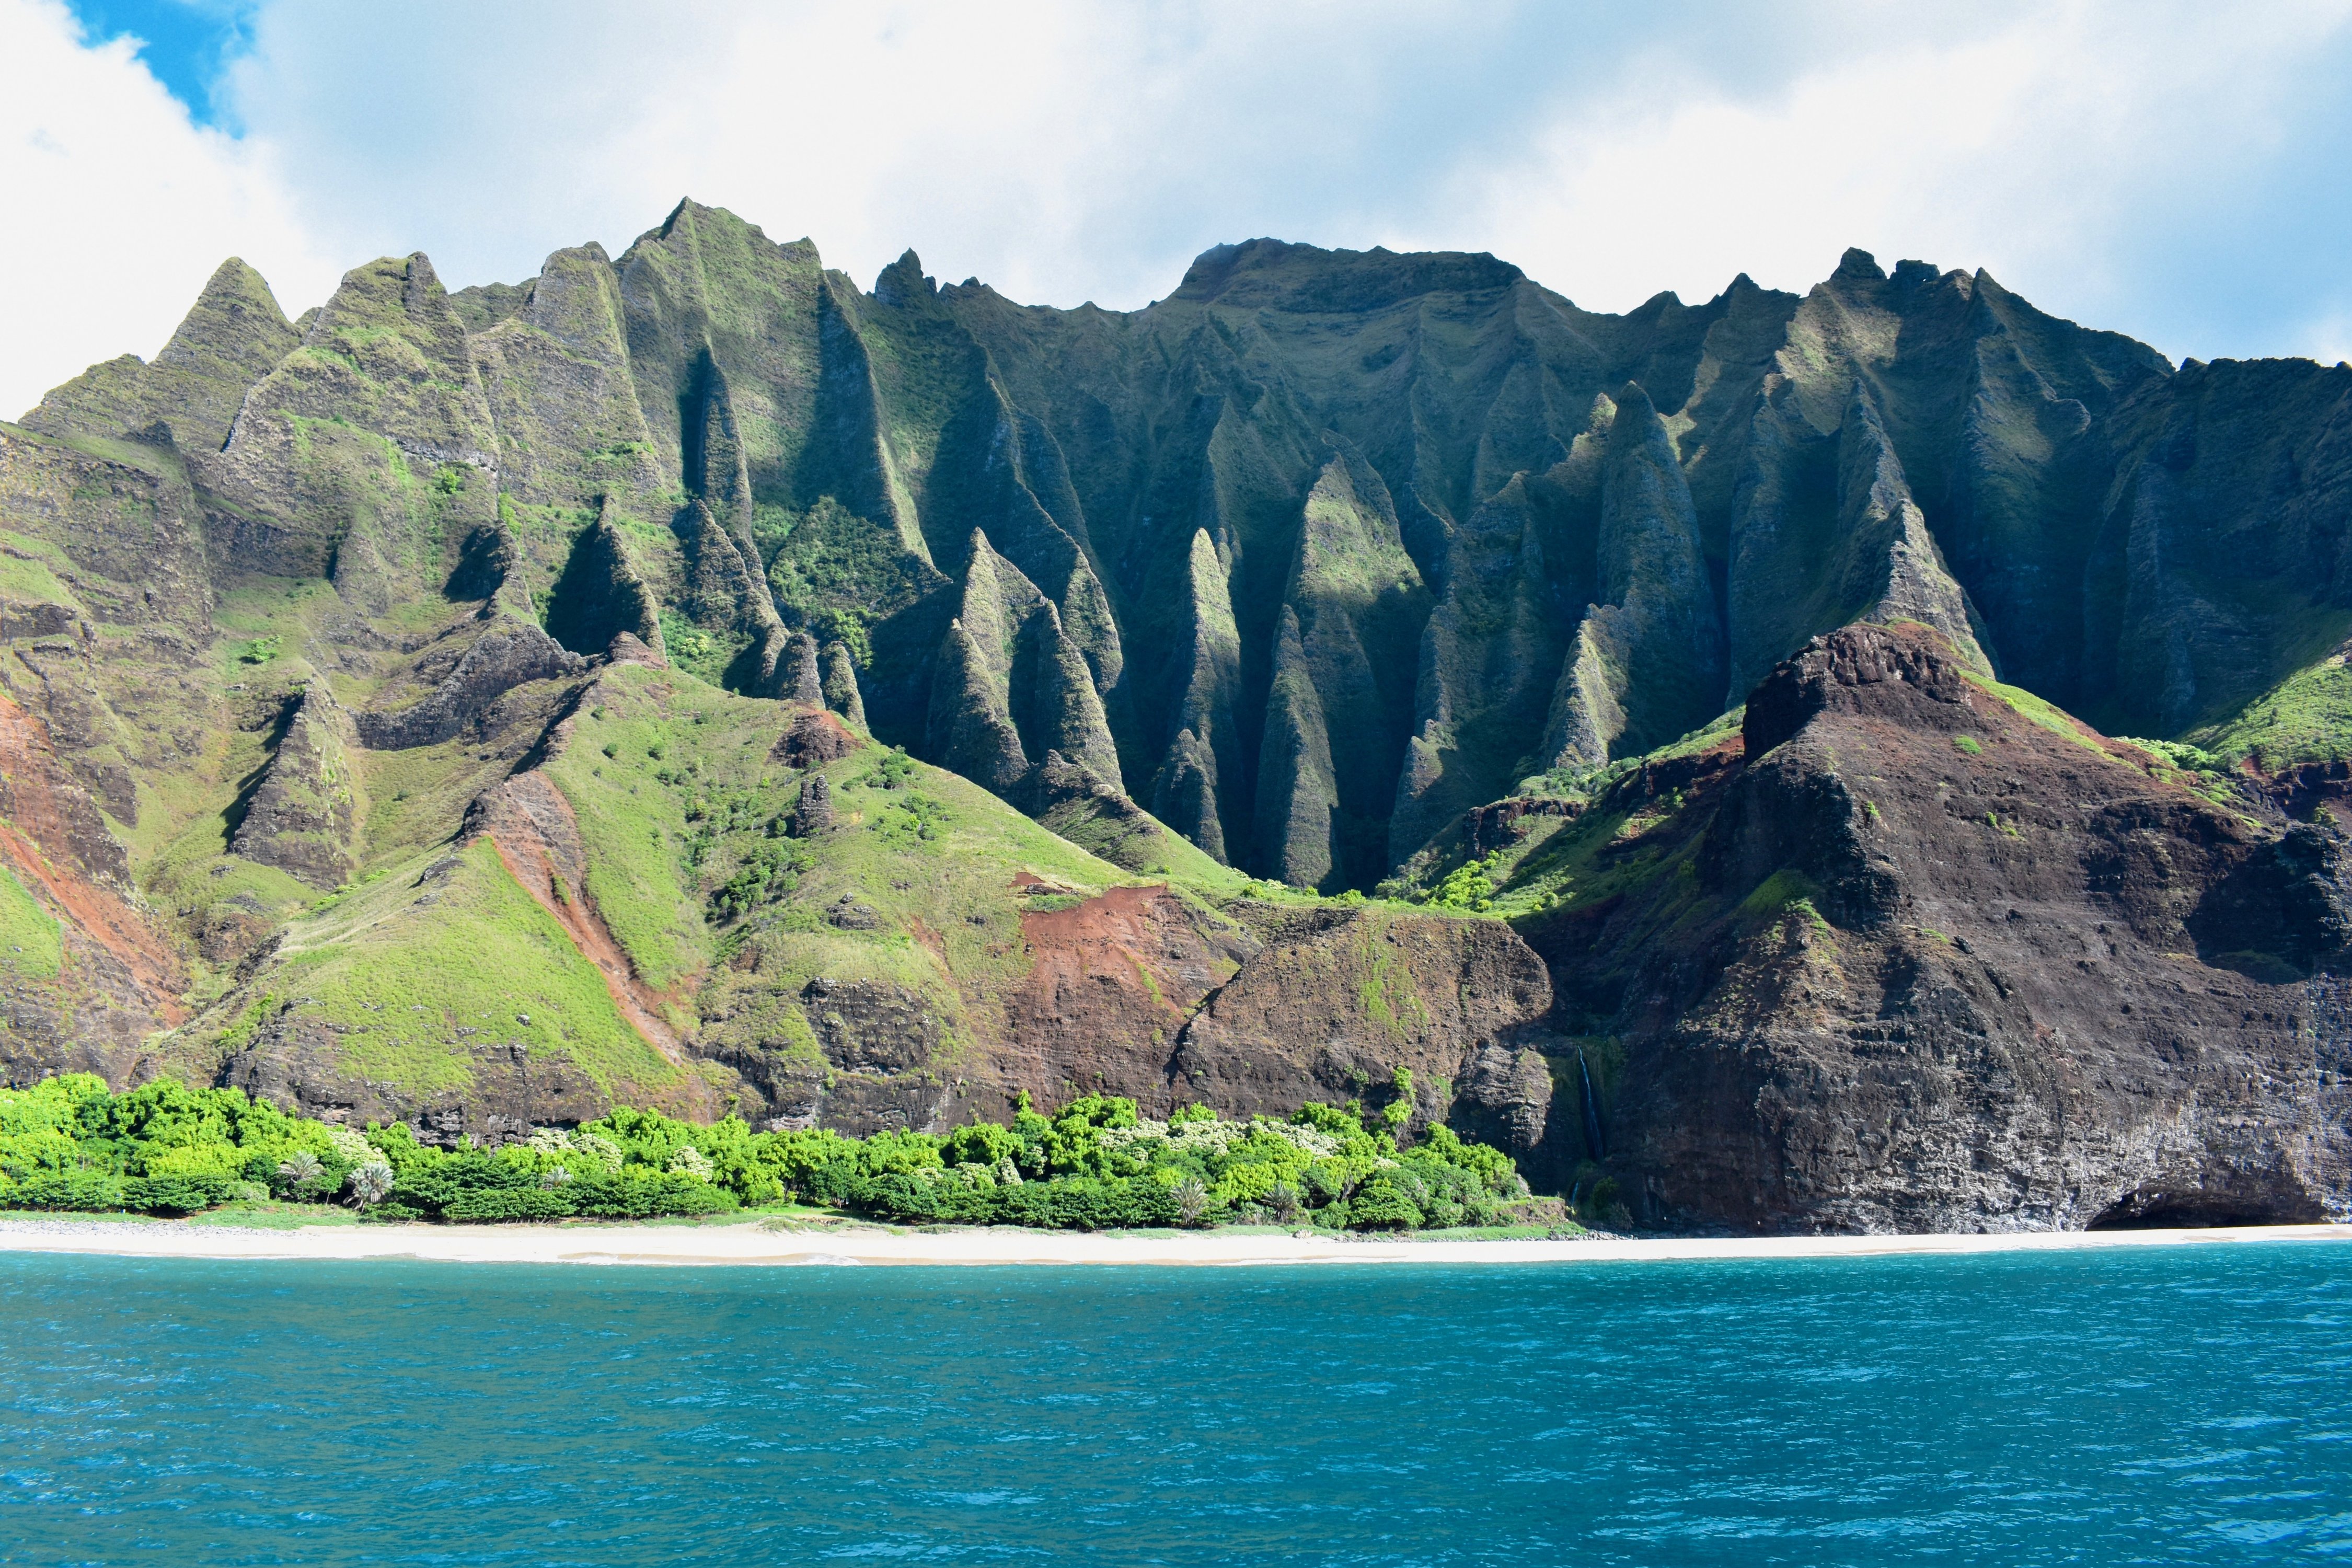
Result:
<point x="371" y="1183"/>
<point x="1191" y="1200"/>
<point x="301" y="1171"/>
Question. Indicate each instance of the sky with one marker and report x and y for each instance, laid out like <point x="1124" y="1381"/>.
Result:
<point x="2173" y="171"/>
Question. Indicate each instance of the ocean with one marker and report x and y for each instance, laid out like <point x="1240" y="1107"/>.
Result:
<point x="2175" y="1405"/>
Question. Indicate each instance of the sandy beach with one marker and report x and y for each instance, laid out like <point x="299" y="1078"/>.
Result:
<point x="765" y="1245"/>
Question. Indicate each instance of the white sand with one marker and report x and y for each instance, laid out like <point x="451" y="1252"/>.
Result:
<point x="752" y="1242"/>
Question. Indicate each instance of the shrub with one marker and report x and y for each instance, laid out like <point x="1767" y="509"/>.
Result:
<point x="982" y="1143"/>
<point x="176" y="1195"/>
<point x="643" y="1195"/>
<point x="492" y="1203"/>
<point x="301" y="1173"/>
<point x="1383" y="1203"/>
<point x="92" y="1191"/>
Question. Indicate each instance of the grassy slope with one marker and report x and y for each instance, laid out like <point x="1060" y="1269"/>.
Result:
<point x="673" y="789"/>
<point x="662" y="831"/>
<point x="452" y="944"/>
<point x="30" y="942"/>
<point x="2306" y="718"/>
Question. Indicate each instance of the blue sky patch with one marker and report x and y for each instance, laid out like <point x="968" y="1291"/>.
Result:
<point x="186" y="44"/>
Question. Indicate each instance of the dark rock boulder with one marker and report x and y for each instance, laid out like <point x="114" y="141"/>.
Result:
<point x="813" y="815"/>
<point x="1505" y="1098"/>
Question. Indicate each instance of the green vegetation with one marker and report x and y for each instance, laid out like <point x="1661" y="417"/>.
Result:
<point x="2193" y="767"/>
<point x="411" y="966"/>
<point x="2306" y="718"/>
<point x="30" y="943"/>
<point x="1096" y="1164"/>
<point x="163" y="1147"/>
<point x="2036" y="711"/>
<point x="1470" y="886"/>
<point x="26" y="574"/>
<point x="68" y="1144"/>
<point x="1968" y="745"/>
<point x="1783" y="891"/>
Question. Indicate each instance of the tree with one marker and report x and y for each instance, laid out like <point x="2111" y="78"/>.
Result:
<point x="371" y="1183"/>
<point x="301" y="1171"/>
<point x="1191" y="1200"/>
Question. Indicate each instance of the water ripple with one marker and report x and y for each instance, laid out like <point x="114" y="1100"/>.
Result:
<point x="2184" y="1405"/>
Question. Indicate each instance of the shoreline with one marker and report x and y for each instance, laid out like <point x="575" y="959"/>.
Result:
<point x="762" y="1245"/>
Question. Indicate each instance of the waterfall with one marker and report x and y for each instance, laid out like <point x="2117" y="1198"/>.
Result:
<point x="1591" y="1110"/>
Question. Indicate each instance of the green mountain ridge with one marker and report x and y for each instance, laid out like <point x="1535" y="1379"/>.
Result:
<point x="689" y="679"/>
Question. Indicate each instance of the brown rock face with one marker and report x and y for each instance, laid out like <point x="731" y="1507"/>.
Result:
<point x="1336" y="1000"/>
<point x="1908" y="960"/>
<point x="1112" y="984"/>
<point x="812" y="738"/>
<point x="115" y="983"/>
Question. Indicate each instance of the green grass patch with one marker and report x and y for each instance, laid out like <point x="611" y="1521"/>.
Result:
<point x="35" y="579"/>
<point x="269" y="1215"/>
<point x="420" y="966"/>
<point x="30" y="941"/>
<point x="2306" y="718"/>
<point x="1781" y="892"/>
<point x="2036" y="711"/>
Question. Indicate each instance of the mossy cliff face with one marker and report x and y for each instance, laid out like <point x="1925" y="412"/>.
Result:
<point x="1515" y="537"/>
<point x="423" y="707"/>
<point x="1512" y="537"/>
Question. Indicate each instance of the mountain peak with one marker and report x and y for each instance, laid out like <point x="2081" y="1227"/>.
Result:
<point x="903" y="281"/>
<point x="1857" y="266"/>
<point x="1272" y="274"/>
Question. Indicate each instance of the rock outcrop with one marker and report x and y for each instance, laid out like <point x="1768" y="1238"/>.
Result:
<point x="1909" y="958"/>
<point x="304" y="817"/>
<point x="454" y="683"/>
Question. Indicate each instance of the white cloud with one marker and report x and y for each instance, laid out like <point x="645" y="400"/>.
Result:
<point x="2045" y="151"/>
<point x="118" y="208"/>
<point x="2328" y="339"/>
<point x="1061" y="149"/>
<point x="2124" y="164"/>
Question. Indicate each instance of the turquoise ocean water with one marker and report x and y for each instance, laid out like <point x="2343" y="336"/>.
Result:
<point x="2189" y="1404"/>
